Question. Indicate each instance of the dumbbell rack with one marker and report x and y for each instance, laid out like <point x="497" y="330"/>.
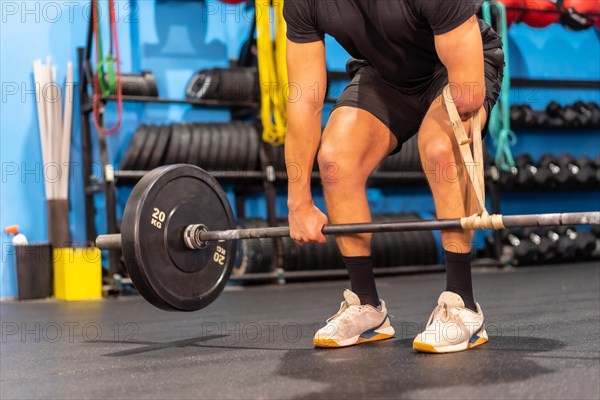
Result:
<point x="515" y="188"/>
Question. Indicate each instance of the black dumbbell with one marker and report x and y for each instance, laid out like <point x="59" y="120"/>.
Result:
<point x="585" y="112"/>
<point x="582" y="171"/>
<point x="522" y="115"/>
<point x="524" y="252"/>
<point x="567" y="243"/>
<point x="550" y="174"/>
<point x="542" y="119"/>
<point x="564" y="239"/>
<point x="508" y="179"/>
<point x="583" y="241"/>
<point x="555" y="115"/>
<point x="546" y="243"/>
<point x="569" y="115"/>
<point x="574" y="119"/>
<point x="490" y="249"/>
<point x="562" y="243"/>
<point x="527" y="171"/>
<point x="516" y="120"/>
<point x="596" y="231"/>
<point x="529" y="119"/>
<point x="594" y="168"/>
<point x="586" y="244"/>
<point x="595" y="110"/>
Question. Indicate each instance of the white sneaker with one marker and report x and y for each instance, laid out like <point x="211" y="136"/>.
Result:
<point x="355" y="323"/>
<point x="451" y="327"/>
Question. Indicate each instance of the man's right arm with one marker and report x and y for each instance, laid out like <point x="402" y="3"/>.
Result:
<point x="307" y="76"/>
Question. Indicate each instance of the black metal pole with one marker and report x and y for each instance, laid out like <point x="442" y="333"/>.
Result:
<point x="86" y="147"/>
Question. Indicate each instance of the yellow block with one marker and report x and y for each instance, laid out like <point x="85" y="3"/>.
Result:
<point x="77" y="273"/>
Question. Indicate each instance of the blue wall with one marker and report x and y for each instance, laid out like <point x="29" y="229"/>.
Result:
<point x="171" y="38"/>
<point x="174" y="39"/>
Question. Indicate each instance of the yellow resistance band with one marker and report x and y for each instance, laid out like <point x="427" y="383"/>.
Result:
<point x="272" y="71"/>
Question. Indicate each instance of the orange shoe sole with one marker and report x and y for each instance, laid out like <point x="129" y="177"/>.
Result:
<point x="427" y="348"/>
<point x="330" y="343"/>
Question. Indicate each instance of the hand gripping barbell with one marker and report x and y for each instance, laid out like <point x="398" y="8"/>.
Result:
<point x="178" y="235"/>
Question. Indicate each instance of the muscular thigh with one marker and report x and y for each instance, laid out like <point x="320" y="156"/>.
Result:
<point x="355" y="137"/>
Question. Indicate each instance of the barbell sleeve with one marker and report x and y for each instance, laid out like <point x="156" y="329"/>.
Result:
<point x="109" y="242"/>
<point x="556" y="219"/>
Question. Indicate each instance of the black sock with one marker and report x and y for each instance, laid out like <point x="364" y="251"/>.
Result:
<point x="362" y="281"/>
<point x="458" y="277"/>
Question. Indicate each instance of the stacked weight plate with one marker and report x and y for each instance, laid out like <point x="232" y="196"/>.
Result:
<point x="394" y="249"/>
<point x="390" y="249"/>
<point x="277" y="156"/>
<point x="311" y="256"/>
<point x="229" y="84"/>
<point x="213" y="146"/>
<point x="404" y="167"/>
<point x="407" y="159"/>
<point x="254" y="255"/>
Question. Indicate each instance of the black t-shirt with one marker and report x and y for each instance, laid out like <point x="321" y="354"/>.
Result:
<point x="395" y="36"/>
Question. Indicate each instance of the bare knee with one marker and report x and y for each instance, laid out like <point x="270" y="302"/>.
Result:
<point x="328" y="154"/>
<point x="340" y="168"/>
<point x="335" y="167"/>
<point x="438" y="151"/>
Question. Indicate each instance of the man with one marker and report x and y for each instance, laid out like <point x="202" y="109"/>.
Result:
<point x="404" y="53"/>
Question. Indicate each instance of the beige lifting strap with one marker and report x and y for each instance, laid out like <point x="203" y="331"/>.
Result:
<point x="473" y="162"/>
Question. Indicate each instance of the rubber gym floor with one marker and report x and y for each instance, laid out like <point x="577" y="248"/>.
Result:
<point x="255" y="342"/>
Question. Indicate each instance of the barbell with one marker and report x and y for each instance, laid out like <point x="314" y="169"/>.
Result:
<point x="178" y="235"/>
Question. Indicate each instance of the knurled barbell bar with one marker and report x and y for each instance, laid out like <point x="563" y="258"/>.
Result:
<point x="178" y="235"/>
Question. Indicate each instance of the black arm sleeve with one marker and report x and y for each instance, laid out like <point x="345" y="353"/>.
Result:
<point x="445" y="15"/>
<point x="301" y="21"/>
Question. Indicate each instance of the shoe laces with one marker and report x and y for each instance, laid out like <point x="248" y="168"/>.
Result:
<point x="343" y="306"/>
<point x="444" y="313"/>
<point x="346" y="313"/>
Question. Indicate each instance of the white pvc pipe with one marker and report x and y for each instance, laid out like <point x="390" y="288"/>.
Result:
<point x="55" y="102"/>
<point x="50" y="123"/>
<point x="38" y="79"/>
<point x="56" y="106"/>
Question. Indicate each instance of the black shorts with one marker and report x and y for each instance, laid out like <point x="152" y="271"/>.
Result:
<point x="403" y="111"/>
